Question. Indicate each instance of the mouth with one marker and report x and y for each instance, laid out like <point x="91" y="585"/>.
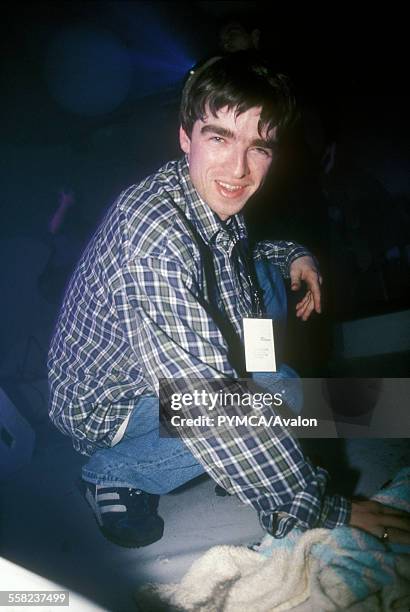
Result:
<point x="228" y="190"/>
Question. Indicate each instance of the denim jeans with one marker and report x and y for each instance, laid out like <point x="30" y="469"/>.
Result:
<point x="144" y="460"/>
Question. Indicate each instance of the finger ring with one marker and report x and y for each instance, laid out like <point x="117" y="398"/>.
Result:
<point x="385" y="535"/>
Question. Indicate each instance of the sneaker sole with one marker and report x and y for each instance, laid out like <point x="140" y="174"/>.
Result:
<point x="128" y="544"/>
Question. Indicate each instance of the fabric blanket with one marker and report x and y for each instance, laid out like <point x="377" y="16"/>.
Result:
<point x="312" y="571"/>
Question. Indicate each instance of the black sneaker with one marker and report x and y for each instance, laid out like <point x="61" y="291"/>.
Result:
<point x="127" y="517"/>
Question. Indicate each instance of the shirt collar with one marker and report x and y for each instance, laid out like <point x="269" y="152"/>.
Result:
<point x="205" y="220"/>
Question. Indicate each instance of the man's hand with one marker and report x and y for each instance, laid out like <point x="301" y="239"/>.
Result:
<point x="382" y="521"/>
<point x="304" y="269"/>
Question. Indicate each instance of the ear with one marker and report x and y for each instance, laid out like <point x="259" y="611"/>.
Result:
<point x="184" y="140"/>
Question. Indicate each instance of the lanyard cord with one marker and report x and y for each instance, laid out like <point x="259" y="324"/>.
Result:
<point x="235" y="349"/>
<point x="241" y="252"/>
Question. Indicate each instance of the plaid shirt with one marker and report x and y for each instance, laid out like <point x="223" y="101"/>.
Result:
<point x="137" y="309"/>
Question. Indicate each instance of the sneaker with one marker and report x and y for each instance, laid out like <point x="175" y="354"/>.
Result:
<point x="220" y="491"/>
<point x="127" y="517"/>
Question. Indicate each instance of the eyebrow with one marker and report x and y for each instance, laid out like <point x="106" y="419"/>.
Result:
<point x="225" y="133"/>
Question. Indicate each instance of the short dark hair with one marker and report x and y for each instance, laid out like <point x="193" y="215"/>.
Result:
<point x="240" y="81"/>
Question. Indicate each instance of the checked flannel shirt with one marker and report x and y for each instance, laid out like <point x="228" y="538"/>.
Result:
<point x="137" y="309"/>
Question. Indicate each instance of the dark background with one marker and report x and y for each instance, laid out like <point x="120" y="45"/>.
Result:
<point x="89" y="97"/>
<point x="89" y="100"/>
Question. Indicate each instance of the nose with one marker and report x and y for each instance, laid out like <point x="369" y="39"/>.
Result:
<point x="239" y="163"/>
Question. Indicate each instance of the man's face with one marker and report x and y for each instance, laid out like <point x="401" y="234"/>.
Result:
<point x="233" y="37"/>
<point x="228" y="158"/>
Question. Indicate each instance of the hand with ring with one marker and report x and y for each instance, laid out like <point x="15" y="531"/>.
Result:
<point x="386" y="523"/>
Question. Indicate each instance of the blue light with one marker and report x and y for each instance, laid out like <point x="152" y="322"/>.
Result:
<point x="88" y="70"/>
<point x="159" y="56"/>
<point x="155" y="73"/>
<point x="91" y="71"/>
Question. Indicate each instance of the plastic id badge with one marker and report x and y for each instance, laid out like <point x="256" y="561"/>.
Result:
<point x="259" y="345"/>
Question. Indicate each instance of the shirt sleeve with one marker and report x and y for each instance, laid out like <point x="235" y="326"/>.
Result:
<point x="172" y="334"/>
<point x="282" y="253"/>
<point x="304" y="511"/>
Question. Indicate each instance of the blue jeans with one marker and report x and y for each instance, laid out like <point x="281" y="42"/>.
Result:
<point x="143" y="460"/>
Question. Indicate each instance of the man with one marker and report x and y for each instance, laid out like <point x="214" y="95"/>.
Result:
<point x="236" y="36"/>
<point x="161" y="292"/>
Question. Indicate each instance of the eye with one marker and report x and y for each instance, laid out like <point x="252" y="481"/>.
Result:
<point x="217" y="139"/>
<point x="263" y="152"/>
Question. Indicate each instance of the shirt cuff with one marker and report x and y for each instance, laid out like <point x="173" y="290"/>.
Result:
<point x="333" y="511"/>
<point x="336" y="512"/>
<point x="282" y="254"/>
